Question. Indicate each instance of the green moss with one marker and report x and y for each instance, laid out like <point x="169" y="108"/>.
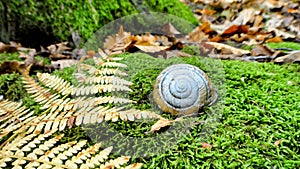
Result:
<point x="9" y="57"/>
<point x="66" y="73"/>
<point x="11" y="86"/>
<point x="290" y="45"/>
<point x="261" y="107"/>
<point x="192" y="50"/>
<point x="247" y="47"/>
<point x="174" y="7"/>
<point x="45" y="60"/>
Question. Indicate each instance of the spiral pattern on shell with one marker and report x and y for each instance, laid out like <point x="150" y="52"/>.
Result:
<point x="183" y="89"/>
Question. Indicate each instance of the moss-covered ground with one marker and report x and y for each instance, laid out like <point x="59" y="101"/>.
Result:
<point x="259" y="126"/>
<point x="262" y="106"/>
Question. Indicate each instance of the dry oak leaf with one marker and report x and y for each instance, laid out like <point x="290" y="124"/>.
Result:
<point x="245" y="16"/>
<point x="59" y="47"/>
<point x="220" y="46"/>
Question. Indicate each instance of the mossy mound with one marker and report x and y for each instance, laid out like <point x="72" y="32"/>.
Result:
<point x="37" y="23"/>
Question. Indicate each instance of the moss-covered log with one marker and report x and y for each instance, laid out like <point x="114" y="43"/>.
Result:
<point x="38" y="22"/>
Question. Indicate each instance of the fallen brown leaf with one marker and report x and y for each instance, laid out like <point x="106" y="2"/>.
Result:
<point x="206" y="11"/>
<point x="293" y="57"/>
<point x="162" y="122"/>
<point x="235" y="29"/>
<point x="206" y="145"/>
<point x="245" y="16"/>
<point x="261" y="50"/>
<point x="206" y="28"/>
<point x="12" y="66"/>
<point x="168" y="29"/>
<point x="11" y="47"/>
<point x="146" y="39"/>
<point x="277" y="142"/>
<point x="122" y="39"/>
<point x="233" y="50"/>
<point x="151" y="49"/>
<point x="176" y="53"/>
<point x="275" y="39"/>
<point x="60" y="64"/>
<point x="197" y="36"/>
<point x="58" y="48"/>
<point x="71" y="121"/>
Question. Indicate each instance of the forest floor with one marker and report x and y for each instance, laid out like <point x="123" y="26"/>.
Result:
<point x="249" y="49"/>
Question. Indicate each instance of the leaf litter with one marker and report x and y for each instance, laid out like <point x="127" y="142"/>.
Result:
<point x="225" y="27"/>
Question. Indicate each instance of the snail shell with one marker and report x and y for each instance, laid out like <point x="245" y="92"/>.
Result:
<point x="183" y="89"/>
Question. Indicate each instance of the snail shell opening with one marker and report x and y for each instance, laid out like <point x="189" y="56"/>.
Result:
<point x="183" y="89"/>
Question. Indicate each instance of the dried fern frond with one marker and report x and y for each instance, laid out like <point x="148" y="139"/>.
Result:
<point x="65" y="111"/>
<point x="53" y="101"/>
<point x="42" y="150"/>
<point x="56" y="83"/>
<point x="104" y="65"/>
<point x="93" y="89"/>
<point x="40" y="94"/>
<point x="113" y="64"/>
<point x="107" y="84"/>
<point x="13" y="116"/>
<point x="59" y="120"/>
<point x="32" y="144"/>
<point x="106" y="61"/>
<point x="114" y="80"/>
<point x="105" y="71"/>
